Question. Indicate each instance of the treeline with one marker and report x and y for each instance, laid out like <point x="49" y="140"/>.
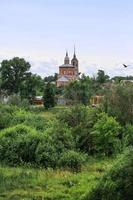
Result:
<point x="16" y="79"/>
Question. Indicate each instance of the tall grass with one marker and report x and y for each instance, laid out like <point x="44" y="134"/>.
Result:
<point x="37" y="184"/>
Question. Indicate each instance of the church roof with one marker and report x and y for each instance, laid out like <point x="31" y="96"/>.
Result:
<point x="66" y="65"/>
<point x="63" y="78"/>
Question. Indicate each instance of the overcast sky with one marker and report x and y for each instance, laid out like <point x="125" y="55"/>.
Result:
<point x="42" y="30"/>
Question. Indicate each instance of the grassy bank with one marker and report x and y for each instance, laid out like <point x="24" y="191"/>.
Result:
<point x="40" y="184"/>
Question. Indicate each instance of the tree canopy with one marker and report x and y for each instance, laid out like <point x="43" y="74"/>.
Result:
<point x="13" y="73"/>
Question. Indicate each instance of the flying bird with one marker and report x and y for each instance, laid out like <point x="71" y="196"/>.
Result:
<point x="125" y="65"/>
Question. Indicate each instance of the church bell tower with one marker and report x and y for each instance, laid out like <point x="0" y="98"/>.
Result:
<point x="75" y="63"/>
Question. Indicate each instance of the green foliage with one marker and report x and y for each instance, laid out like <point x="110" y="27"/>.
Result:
<point x="57" y="140"/>
<point x="81" y="120"/>
<point x="5" y="119"/>
<point x="119" y="102"/>
<point x="13" y="73"/>
<point x="51" y="78"/>
<point x="16" y="100"/>
<point x="118" y="79"/>
<point x="61" y="136"/>
<point x="49" y="95"/>
<point x="28" y="183"/>
<point x="18" y="145"/>
<point x="102" y="77"/>
<point x="72" y="159"/>
<point x="32" y="86"/>
<point x="128" y="135"/>
<point x="39" y="122"/>
<point x="105" y="135"/>
<point x="79" y="91"/>
<point x="117" y="183"/>
<point x="16" y="79"/>
<point x="46" y="154"/>
<point x="6" y="113"/>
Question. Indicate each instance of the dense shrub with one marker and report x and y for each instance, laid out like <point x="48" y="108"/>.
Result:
<point x="19" y="117"/>
<point x="81" y="120"/>
<point x="6" y="113"/>
<point x="46" y="154"/>
<point x="18" y="145"/>
<point x="105" y="135"/>
<point x="72" y="159"/>
<point x="78" y="114"/>
<point x="128" y="135"/>
<point x="57" y="139"/>
<point x="22" y="144"/>
<point x="5" y="119"/>
<point x="17" y="101"/>
<point x="118" y="102"/>
<point x="61" y="136"/>
<point x="117" y="183"/>
<point x="35" y="121"/>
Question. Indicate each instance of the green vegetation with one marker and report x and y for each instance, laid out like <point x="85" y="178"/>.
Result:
<point x="64" y="152"/>
<point x="49" y="96"/>
<point x="27" y="184"/>
<point x="117" y="183"/>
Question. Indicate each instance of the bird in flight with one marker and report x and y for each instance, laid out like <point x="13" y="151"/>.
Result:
<point x="125" y="65"/>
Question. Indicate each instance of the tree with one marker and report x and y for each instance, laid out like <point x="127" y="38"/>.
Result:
<point x="32" y="86"/>
<point x="13" y="73"/>
<point x="49" y="95"/>
<point x="105" y="135"/>
<point x="102" y="77"/>
<point x="118" y="102"/>
<point x="79" y="91"/>
<point x="80" y="120"/>
<point x="51" y="78"/>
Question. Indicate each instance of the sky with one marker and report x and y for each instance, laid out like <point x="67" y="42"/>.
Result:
<point x="42" y="30"/>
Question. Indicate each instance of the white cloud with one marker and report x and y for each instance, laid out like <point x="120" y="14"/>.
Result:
<point x="45" y="67"/>
<point x="116" y="70"/>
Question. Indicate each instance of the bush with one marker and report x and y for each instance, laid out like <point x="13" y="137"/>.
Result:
<point x="18" y="145"/>
<point x="61" y="135"/>
<point x="72" y="159"/>
<point x="105" y="135"/>
<point x="81" y="119"/>
<point x="57" y="139"/>
<point x="35" y="121"/>
<point x="17" y="101"/>
<point x="117" y="183"/>
<point x="6" y="113"/>
<point x="128" y="135"/>
<point x="5" y="119"/>
<point x="118" y="102"/>
<point x="78" y="114"/>
<point x="46" y="154"/>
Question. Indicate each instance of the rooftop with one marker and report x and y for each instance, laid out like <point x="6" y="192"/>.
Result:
<point x="67" y="65"/>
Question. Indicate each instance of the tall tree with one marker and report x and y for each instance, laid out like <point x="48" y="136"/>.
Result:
<point x="32" y="86"/>
<point x="51" y="78"/>
<point x="79" y="91"/>
<point x="13" y="73"/>
<point x="49" y="95"/>
<point x="102" y="77"/>
<point x="118" y="102"/>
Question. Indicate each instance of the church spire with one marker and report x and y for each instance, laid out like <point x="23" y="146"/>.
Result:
<point x="74" y="55"/>
<point x="66" y="60"/>
<point x="74" y="61"/>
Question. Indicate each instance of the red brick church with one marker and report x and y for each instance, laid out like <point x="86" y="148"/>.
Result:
<point x="68" y="71"/>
